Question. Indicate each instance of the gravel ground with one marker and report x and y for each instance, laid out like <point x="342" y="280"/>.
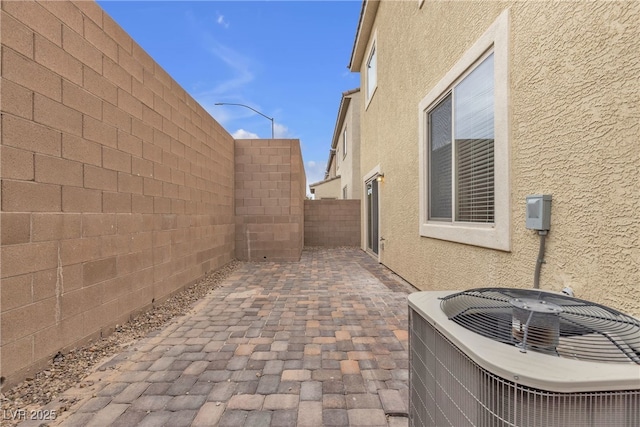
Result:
<point x="68" y="369"/>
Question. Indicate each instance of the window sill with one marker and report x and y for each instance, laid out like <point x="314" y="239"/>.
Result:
<point x="368" y="101"/>
<point x="486" y="236"/>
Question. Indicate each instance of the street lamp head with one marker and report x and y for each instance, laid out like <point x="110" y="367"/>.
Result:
<point x="254" y="110"/>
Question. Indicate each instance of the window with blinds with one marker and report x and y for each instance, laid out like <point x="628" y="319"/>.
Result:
<point x="464" y="144"/>
<point x="440" y="133"/>
<point x="461" y="149"/>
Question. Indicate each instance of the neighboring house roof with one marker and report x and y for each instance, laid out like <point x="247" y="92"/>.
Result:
<point x="332" y="157"/>
<point x="324" y="181"/>
<point x="342" y="113"/>
<point x="365" y="24"/>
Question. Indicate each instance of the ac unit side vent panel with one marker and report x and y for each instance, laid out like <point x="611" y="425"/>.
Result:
<point x="447" y="388"/>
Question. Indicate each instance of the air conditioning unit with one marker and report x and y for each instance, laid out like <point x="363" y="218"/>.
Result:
<point x="495" y="357"/>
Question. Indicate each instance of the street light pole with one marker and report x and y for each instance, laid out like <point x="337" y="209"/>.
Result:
<point x="254" y="110"/>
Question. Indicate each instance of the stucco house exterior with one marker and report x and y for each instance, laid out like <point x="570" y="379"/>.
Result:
<point x="469" y="107"/>
<point x="328" y="188"/>
<point x="342" y="178"/>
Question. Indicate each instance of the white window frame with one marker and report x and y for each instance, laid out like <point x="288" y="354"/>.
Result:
<point x="372" y="50"/>
<point x="344" y="142"/>
<point x="498" y="234"/>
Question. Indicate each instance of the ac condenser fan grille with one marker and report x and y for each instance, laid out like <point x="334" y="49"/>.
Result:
<point x="540" y="321"/>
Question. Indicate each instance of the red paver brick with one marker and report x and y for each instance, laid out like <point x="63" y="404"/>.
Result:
<point x="392" y="402"/>
<point x="312" y="350"/>
<point x="343" y="336"/>
<point x="309" y="414"/>
<point x="349" y="367"/>
<point x="360" y="355"/>
<point x="367" y="417"/>
<point x="324" y="340"/>
<point x="296" y="375"/>
<point x="401" y="334"/>
<point x="248" y="402"/>
<point x="209" y="414"/>
<point x="281" y="401"/>
<point x="244" y="349"/>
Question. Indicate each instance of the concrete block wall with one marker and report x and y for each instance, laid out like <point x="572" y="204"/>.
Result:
<point x="117" y="187"/>
<point x="270" y="190"/>
<point x="332" y="223"/>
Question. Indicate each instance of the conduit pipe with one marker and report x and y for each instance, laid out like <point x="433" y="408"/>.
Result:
<point x="540" y="261"/>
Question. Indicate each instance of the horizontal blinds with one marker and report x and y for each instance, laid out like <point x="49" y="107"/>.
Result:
<point x="461" y="149"/>
<point x="474" y="135"/>
<point x="440" y="161"/>
<point x="475" y="182"/>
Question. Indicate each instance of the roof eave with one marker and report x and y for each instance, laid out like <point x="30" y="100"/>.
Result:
<point x="365" y="25"/>
<point x="342" y="113"/>
<point x="324" y="181"/>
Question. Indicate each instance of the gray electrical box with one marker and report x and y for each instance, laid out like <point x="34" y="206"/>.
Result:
<point x="539" y="212"/>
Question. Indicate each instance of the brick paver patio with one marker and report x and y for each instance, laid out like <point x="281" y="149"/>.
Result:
<point x="321" y="342"/>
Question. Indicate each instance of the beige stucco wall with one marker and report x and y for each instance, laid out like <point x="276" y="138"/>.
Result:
<point x="574" y="112"/>
<point x="348" y="166"/>
<point x="329" y="189"/>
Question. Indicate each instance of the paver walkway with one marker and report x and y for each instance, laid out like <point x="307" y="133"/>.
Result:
<point x="321" y="342"/>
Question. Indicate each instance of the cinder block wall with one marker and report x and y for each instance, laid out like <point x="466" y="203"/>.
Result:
<point x="270" y="189"/>
<point x="117" y="187"/>
<point x="332" y="223"/>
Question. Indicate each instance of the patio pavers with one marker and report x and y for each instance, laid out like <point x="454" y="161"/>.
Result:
<point x="318" y="342"/>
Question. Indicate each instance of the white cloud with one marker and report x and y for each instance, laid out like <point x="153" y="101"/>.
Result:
<point x="281" y="131"/>
<point x="314" y="171"/>
<point x="221" y="21"/>
<point x="244" y="134"/>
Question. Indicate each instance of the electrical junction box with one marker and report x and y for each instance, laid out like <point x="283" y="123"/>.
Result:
<point x="539" y="212"/>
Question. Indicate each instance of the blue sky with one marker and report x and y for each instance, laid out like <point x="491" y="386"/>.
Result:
<point x="286" y="59"/>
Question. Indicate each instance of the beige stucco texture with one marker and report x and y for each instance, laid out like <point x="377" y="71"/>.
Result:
<point x="329" y="189"/>
<point x="348" y="165"/>
<point x="574" y="117"/>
